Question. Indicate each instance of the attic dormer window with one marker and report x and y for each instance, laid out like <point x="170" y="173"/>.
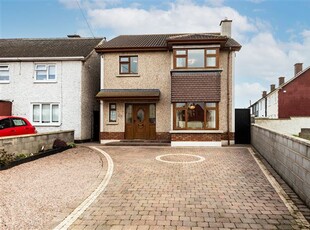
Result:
<point x="196" y="58"/>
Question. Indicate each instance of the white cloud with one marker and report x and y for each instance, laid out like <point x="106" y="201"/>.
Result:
<point x="262" y="59"/>
<point x="179" y="17"/>
<point x="247" y="93"/>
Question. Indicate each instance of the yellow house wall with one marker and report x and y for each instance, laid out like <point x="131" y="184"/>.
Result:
<point x="153" y="73"/>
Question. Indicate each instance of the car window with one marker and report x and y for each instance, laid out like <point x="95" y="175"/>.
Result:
<point x="18" y="122"/>
<point x="5" y="123"/>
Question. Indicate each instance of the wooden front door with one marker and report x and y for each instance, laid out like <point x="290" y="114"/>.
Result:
<point x="140" y="121"/>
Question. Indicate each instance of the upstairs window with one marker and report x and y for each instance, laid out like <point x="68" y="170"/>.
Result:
<point x="4" y="74"/>
<point x="128" y="65"/>
<point x="196" y="58"/>
<point x="45" y="72"/>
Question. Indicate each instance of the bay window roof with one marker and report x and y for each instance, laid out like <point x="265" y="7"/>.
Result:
<point x="195" y="86"/>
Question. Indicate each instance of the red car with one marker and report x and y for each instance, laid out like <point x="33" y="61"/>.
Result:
<point x="11" y="126"/>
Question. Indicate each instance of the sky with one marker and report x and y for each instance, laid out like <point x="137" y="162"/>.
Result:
<point x="274" y="34"/>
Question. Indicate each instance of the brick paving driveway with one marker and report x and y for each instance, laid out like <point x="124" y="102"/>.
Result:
<point x="225" y="191"/>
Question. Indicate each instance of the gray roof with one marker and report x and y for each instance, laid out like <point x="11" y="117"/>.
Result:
<point x="55" y="47"/>
<point x="161" y="41"/>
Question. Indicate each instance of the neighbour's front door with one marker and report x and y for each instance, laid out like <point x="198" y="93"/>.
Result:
<point x="140" y="121"/>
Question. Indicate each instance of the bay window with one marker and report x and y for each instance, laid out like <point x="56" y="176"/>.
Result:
<point x="196" y="115"/>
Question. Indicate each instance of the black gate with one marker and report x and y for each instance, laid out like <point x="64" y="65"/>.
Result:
<point x="242" y="126"/>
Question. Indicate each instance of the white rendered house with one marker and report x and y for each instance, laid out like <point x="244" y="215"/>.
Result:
<point x="52" y="82"/>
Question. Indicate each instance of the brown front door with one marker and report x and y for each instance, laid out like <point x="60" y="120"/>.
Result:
<point x="140" y="121"/>
<point x="140" y="124"/>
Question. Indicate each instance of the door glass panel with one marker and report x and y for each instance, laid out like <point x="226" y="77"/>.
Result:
<point x="140" y="115"/>
<point x="152" y="116"/>
<point x="128" y="114"/>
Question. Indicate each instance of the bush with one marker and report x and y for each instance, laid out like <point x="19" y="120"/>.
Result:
<point x="6" y="158"/>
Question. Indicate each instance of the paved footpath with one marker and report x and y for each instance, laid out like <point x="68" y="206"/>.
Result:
<point x="224" y="189"/>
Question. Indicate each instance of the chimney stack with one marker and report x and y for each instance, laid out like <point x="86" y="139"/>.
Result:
<point x="281" y="80"/>
<point x="264" y="94"/>
<point x="226" y="27"/>
<point x="73" y="36"/>
<point x="272" y="87"/>
<point x="298" y="68"/>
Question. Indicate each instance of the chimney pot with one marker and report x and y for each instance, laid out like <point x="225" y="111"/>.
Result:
<point x="281" y="80"/>
<point x="272" y="87"/>
<point x="226" y="27"/>
<point x="264" y="94"/>
<point x="298" y="68"/>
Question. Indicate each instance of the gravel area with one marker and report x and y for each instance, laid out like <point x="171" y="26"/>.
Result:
<point x="38" y="194"/>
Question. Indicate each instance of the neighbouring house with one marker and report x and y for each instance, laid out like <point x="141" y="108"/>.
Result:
<point x="52" y="83"/>
<point x="289" y="99"/>
<point x="175" y="87"/>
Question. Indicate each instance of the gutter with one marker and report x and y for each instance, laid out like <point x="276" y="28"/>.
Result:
<point x="14" y="59"/>
<point x="228" y="97"/>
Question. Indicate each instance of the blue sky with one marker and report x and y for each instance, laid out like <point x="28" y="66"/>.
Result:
<point x="275" y="34"/>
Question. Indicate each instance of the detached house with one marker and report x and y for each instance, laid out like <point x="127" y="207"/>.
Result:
<point x="175" y="87"/>
<point x="51" y="82"/>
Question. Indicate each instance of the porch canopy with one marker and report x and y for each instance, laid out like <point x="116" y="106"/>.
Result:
<point x="128" y="95"/>
<point x="195" y="87"/>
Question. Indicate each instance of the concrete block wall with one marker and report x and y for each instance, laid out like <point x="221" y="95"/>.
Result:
<point x="27" y="144"/>
<point x="288" y="155"/>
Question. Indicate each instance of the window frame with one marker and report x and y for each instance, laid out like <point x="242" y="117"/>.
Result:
<point x="129" y="62"/>
<point x="8" y="70"/>
<point x="47" y="65"/>
<point x="51" y="122"/>
<point x="186" y="108"/>
<point x="112" y="109"/>
<point x="206" y="55"/>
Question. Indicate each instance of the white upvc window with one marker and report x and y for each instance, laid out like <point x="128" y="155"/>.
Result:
<point x="46" y="113"/>
<point x="4" y="74"/>
<point x="45" y="72"/>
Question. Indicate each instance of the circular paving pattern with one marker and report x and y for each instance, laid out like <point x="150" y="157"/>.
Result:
<point x="180" y="158"/>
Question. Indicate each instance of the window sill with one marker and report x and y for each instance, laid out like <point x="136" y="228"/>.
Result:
<point x="4" y="82"/>
<point x="197" y="70"/>
<point x="128" y="75"/>
<point x="47" y="125"/>
<point x="40" y="82"/>
<point x="196" y="131"/>
<point x="112" y="123"/>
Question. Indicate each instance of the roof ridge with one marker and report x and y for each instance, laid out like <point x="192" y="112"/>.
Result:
<point x="46" y="39"/>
